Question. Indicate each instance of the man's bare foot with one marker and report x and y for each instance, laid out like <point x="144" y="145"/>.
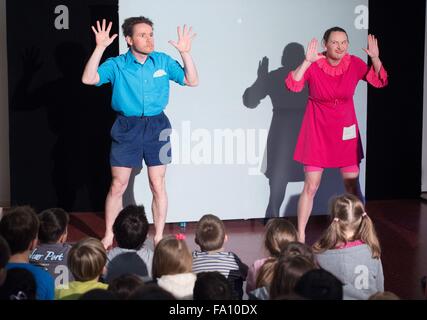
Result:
<point x="108" y="241"/>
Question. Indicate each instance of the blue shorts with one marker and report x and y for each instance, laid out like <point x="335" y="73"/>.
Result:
<point x="137" y="138"/>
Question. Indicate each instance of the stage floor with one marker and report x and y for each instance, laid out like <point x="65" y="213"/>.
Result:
<point x="401" y="227"/>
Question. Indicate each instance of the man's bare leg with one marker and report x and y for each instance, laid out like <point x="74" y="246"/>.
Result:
<point x="156" y="176"/>
<point x="114" y="201"/>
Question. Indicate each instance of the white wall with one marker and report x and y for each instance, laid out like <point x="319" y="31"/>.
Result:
<point x="424" y="161"/>
<point x="4" y="113"/>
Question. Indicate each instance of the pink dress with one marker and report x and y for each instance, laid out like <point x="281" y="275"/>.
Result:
<point x="329" y="135"/>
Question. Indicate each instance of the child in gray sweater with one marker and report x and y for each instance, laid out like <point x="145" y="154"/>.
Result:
<point x="350" y="249"/>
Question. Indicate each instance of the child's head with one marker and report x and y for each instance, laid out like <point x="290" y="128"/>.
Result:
<point x="350" y="222"/>
<point x="87" y="259"/>
<point x="319" y="284"/>
<point x="125" y="285"/>
<point x="279" y="232"/>
<point x="210" y="233"/>
<point x="19" y="227"/>
<point x="131" y="227"/>
<point x="287" y="273"/>
<point x="19" y="285"/>
<point x="4" y="258"/>
<point x="53" y="226"/>
<point x="386" y="295"/>
<point x="171" y="256"/>
<point x="212" y="286"/>
<point x="296" y="248"/>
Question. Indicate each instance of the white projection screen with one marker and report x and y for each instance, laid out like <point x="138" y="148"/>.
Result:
<point x="234" y="135"/>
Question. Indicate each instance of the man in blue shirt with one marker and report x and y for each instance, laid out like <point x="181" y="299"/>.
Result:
<point x="140" y="81"/>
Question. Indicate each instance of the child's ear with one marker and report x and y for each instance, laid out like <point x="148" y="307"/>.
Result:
<point x="33" y="244"/>
<point x="225" y="238"/>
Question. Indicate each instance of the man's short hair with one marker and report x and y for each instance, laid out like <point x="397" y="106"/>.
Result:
<point x="87" y="259"/>
<point x="127" y="26"/>
<point x="19" y="227"/>
<point x="210" y="233"/>
<point x="131" y="227"/>
<point x="53" y="224"/>
<point x="212" y="286"/>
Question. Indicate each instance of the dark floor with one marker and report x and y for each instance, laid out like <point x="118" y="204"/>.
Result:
<point x="401" y="226"/>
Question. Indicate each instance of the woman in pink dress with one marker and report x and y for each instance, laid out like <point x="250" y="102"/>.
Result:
<point x="329" y="136"/>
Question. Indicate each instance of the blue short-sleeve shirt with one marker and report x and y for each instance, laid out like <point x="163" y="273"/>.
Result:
<point x="140" y="89"/>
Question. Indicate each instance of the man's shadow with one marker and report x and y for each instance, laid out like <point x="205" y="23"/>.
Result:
<point x="288" y="113"/>
<point x="79" y="118"/>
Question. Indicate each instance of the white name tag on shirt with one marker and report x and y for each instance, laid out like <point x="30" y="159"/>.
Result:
<point x="159" y="73"/>
<point x="349" y="132"/>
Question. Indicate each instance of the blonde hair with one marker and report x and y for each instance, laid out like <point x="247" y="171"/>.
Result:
<point x="87" y="259"/>
<point x="171" y="256"/>
<point x="210" y="233"/>
<point x="279" y="232"/>
<point x="386" y="295"/>
<point x="348" y="216"/>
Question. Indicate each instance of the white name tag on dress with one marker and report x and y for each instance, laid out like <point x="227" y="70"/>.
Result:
<point x="159" y="73"/>
<point x="349" y="132"/>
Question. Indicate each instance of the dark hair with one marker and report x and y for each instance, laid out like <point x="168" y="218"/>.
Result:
<point x="211" y="286"/>
<point x="319" y="284"/>
<point x="279" y="232"/>
<point x="127" y="26"/>
<point x="19" y="285"/>
<point x="294" y="249"/>
<point x="19" y="227"/>
<point x="151" y="292"/>
<point x="125" y="285"/>
<point x="4" y="253"/>
<point x="131" y="227"/>
<point x="329" y="31"/>
<point x="98" y="294"/>
<point x="210" y="233"/>
<point x="53" y="224"/>
<point x="286" y="274"/>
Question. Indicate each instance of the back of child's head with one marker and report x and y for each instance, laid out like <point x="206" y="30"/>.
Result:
<point x="87" y="259"/>
<point x="98" y="294"/>
<point x="171" y="256"/>
<point x="266" y="273"/>
<point x="212" y="286"/>
<point x="19" y="227"/>
<point x="349" y="222"/>
<point x="125" y="285"/>
<point x="4" y="259"/>
<point x="53" y="225"/>
<point x="319" y="284"/>
<point x="287" y="273"/>
<point x="151" y="292"/>
<point x="19" y="285"/>
<point x="296" y="248"/>
<point x="4" y="252"/>
<point x="131" y="227"/>
<point x="210" y="233"/>
<point x="386" y="295"/>
<point x="278" y="233"/>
